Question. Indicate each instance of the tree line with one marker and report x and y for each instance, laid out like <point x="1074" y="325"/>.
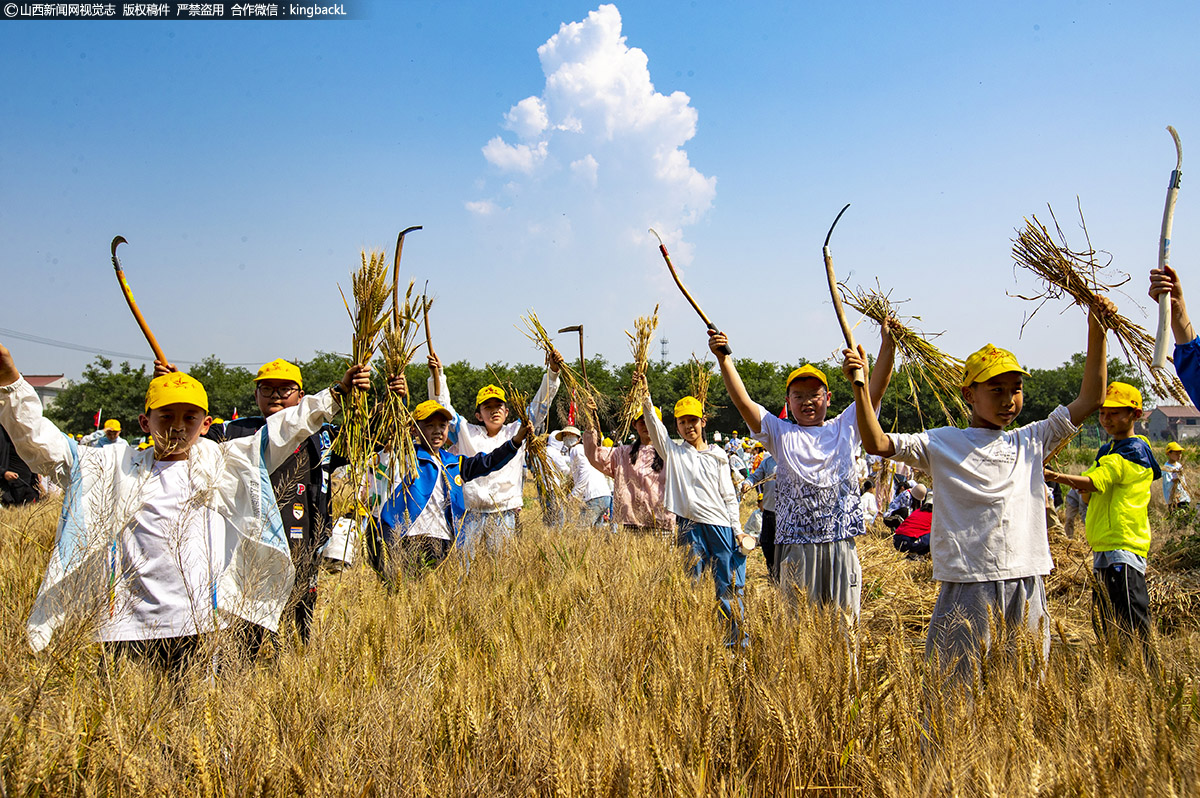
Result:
<point x="908" y="405"/>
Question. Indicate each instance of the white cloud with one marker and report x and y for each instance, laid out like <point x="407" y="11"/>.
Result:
<point x="527" y="118"/>
<point x="599" y="112"/>
<point x="515" y="157"/>
<point x="585" y="170"/>
<point x="482" y="207"/>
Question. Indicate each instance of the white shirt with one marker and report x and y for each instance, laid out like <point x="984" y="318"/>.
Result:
<point x="588" y="482"/>
<point x="990" y="522"/>
<point x="500" y="490"/>
<point x="168" y="561"/>
<point x="699" y="487"/>
<point x="870" y="507"/>
<point x="816" y="490"/>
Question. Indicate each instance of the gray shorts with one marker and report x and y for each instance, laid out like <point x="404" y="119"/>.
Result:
<point x="828" y="573"/>
<point x="960" y="630"/>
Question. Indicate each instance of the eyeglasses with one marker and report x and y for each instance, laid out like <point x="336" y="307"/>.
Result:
<point x="281" y="393"/>
<point x="805" y="398"/>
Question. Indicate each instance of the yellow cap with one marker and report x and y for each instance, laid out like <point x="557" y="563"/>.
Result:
<point x="689" y="406"/>
<point x="641" y="412"/>
<point x="429" y="408"/>
<point x="1174" y="447"/>
<point x="489" y="392"/>
<point x="218" y="421"/>
<point x="176" y="388"/>
<point x="981" y="366"/>
<point x="279" y="369"/>
<point x="1122" y="394"/>
<point x="608" y="442"/>
<point x="806" y="371"/>
<point x="112" y="423"/>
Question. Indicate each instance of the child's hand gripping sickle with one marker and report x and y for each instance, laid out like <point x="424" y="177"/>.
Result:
<point x="855" y="362"/>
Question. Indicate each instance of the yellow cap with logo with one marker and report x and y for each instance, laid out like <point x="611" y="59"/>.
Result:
<point x="1122" y="394"/>
<point x="807" y="370"/>
<point x="176" y="388"/>
<point x="689" y="406"/>
<point x="989" y="362"/>
<point x="280" y="369"/>
<point x="113" y="424"/>
<point x="489" y="392"/>
<point x="429" y="408"/>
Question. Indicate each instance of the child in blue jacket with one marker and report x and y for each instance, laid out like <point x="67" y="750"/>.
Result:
<point x="424" y="515"/>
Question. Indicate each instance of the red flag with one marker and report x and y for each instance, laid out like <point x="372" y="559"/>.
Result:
<point x="96" y="420"/>
<point x="571" y="411"/>
<point x="783" y="412"/>
<point x="234" y="418"/>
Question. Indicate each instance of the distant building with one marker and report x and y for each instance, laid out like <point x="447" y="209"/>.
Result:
<point x="47" y="386"/>
<point x="1173" y="423"/>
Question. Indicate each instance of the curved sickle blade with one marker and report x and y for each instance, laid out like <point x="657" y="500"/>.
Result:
<point x="857" y="375"/>
<point x="128" y="292"/>
<point x="116" y="242"/>
<point x="396" y="274"/>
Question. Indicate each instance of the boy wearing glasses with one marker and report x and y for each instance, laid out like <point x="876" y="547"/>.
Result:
<point x="817" y="509"/>
<point x="302" y="484"/>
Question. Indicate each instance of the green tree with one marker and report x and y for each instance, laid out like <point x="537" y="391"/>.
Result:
<point x="228" y="387"/>
<point x="119" y="394"/>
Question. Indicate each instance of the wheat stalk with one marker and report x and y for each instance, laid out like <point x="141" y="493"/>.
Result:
<point x="575" y="385"/>
<point x="921" y="360"/>
<point x="1076" y="275"/>
<point x="639" y="346"/>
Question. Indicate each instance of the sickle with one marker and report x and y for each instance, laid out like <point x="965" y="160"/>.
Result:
<point x="1159" y="361"/>
<point x="663" y="249"/>
<point x="847" y="333"/>
<point x="137" y="314"/>
<point x="396" y="274"/>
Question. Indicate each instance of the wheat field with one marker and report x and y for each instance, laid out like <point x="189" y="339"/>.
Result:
<point x="589" y="663"/>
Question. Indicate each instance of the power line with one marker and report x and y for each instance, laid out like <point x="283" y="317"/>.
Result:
<point x="37" y="339"/>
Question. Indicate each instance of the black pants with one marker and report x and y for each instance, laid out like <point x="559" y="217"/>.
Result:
<point x="1121" y="604"/>
<point x="766" y="540"/>
<point x="910" y="545"/>
<point x="172" y="654"/>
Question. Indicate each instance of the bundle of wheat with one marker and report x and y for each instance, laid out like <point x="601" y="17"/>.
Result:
<point x="551" y="483"/>
<point x="699" y="377"/>
<point x="639" y="345"/>
<point x="397" y="346"/>
<point x="922" y="362"/>
<point x="357" y="439"/>
<point x="576" y="386"/>
<point x="1076" y="275"/>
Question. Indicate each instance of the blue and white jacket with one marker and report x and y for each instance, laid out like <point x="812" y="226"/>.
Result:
<point x="411" y="499"/>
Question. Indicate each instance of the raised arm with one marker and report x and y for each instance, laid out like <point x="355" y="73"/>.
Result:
<point x="1166" y="280"/>
<point x="718" y="343"/>
<point x="1095" y="367"/>
<point x="539" y="405"/>
<point x="654" y="426"/>
<point x="881" y="375"/>
<point x="874" y="439"/>
<point x="43" y="447"/>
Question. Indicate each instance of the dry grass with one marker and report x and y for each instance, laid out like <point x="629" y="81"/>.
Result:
<point x="921" y="362"/>
<point x="586" y="663"/>
<point x="639" y="347"/>
<point x="1077" y="275"/>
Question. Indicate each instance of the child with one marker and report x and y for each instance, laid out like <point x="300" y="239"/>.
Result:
<point x="912" y="535"/>
<point x="158" y="547"/>
<point x="302" y="483"/>
<point x="1174" y="490"/>
<point x="1118" y="522"/>
<point x="589" y="485"/>
<point x="494" y="501"/>
<point x="639" y="479"/>
<point x="699" y="491"/>
<point x="988" y="539"/>
<point x="817" y="508"/>
<point x="426" y="513"/>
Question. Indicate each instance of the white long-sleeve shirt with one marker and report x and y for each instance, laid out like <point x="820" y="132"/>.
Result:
<point x="501" y="490"/>
<point x="699" y="487"/>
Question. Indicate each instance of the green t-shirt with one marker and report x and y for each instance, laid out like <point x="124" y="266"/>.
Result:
<point x="1117" y="515"/>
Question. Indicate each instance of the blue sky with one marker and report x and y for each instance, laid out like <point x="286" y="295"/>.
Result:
<point x="248" y="163"/>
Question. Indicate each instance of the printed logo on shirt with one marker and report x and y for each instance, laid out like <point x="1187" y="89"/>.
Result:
<point x="296" y="532"/>
<point x="299" y="490"/>
<point x="458" y="480"/>
<point x="298" y="510"/>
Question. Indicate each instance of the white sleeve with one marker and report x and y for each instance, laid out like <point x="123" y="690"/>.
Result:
<point x="911" y="449"/>
<point x="657" y="430"/>
<point x="539" y="405"/>
<point x="290" y="427"/>
<point x="43" y="447"/>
